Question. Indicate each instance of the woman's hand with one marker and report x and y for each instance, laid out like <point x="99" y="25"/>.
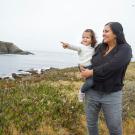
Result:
<point x="86" y="73"/>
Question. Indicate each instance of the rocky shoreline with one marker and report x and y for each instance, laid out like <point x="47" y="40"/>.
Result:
<point x="25" y="73"/>
<point x="34" y="76"/>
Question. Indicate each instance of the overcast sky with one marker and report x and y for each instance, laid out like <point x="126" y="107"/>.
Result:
<point x="42" y="24"/>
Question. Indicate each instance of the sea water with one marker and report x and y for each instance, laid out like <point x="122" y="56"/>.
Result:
<point x="12" y="63"/>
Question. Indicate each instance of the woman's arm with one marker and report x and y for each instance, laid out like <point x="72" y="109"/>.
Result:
<point x="102" y="72"/>
<point x="119" y="60"/>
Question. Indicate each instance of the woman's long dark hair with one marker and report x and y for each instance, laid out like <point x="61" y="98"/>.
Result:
<point x="117" y="29"/>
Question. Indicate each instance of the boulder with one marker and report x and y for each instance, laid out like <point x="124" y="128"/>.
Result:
<point x="10" y="48"/>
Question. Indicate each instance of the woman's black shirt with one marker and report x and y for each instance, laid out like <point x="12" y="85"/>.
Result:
<point x="109" y="70"/>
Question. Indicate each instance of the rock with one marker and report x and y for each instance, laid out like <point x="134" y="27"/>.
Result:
<point x="33" y="71"/>
<point x="52" y="69"/>
<point x="20" y="76"/>
<point x="16" y="76"/>
<point x="10" y="48"/>
<point x="8" y="77"/>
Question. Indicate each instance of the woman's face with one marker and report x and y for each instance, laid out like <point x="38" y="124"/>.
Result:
<point x="108" y="35"/>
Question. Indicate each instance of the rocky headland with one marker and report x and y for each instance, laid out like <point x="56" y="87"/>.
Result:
<point x="11" y="48"/>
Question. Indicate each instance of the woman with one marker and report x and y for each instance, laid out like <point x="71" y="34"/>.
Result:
<point x="109" y="64"/>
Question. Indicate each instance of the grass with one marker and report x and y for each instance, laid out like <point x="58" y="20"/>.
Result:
<point x="47" y="104"/>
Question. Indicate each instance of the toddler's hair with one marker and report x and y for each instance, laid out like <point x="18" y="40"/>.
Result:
<point x="93" y="37"/>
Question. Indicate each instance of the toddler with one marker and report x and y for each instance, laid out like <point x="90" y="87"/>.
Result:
<point x="85" y="52"/>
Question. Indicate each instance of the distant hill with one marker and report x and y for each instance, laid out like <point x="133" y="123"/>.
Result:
<point x="11" y="48"/>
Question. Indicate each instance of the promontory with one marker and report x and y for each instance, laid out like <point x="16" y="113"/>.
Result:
<point x="11" y="48"/>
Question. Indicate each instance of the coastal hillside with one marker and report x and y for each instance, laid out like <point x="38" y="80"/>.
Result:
<point x="10" y="48"/>
<point x="47" y="104"/>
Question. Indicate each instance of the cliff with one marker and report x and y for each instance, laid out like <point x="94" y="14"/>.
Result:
<point x="10" y="48"/>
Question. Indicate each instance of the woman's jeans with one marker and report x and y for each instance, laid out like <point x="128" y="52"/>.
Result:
<point x="111" y="105"/>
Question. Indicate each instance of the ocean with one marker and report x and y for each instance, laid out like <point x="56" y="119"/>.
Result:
<point x="12" y="63"/>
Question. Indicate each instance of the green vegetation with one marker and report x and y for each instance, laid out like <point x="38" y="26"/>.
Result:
<point x="47" y="104"/>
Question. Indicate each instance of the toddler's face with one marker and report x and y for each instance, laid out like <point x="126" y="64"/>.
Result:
<point x="86" y="38"/>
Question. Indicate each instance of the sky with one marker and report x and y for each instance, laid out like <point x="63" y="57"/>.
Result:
<point x="42" y="24"/>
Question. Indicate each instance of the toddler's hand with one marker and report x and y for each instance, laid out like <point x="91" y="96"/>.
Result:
<point x="65" y="45"/>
